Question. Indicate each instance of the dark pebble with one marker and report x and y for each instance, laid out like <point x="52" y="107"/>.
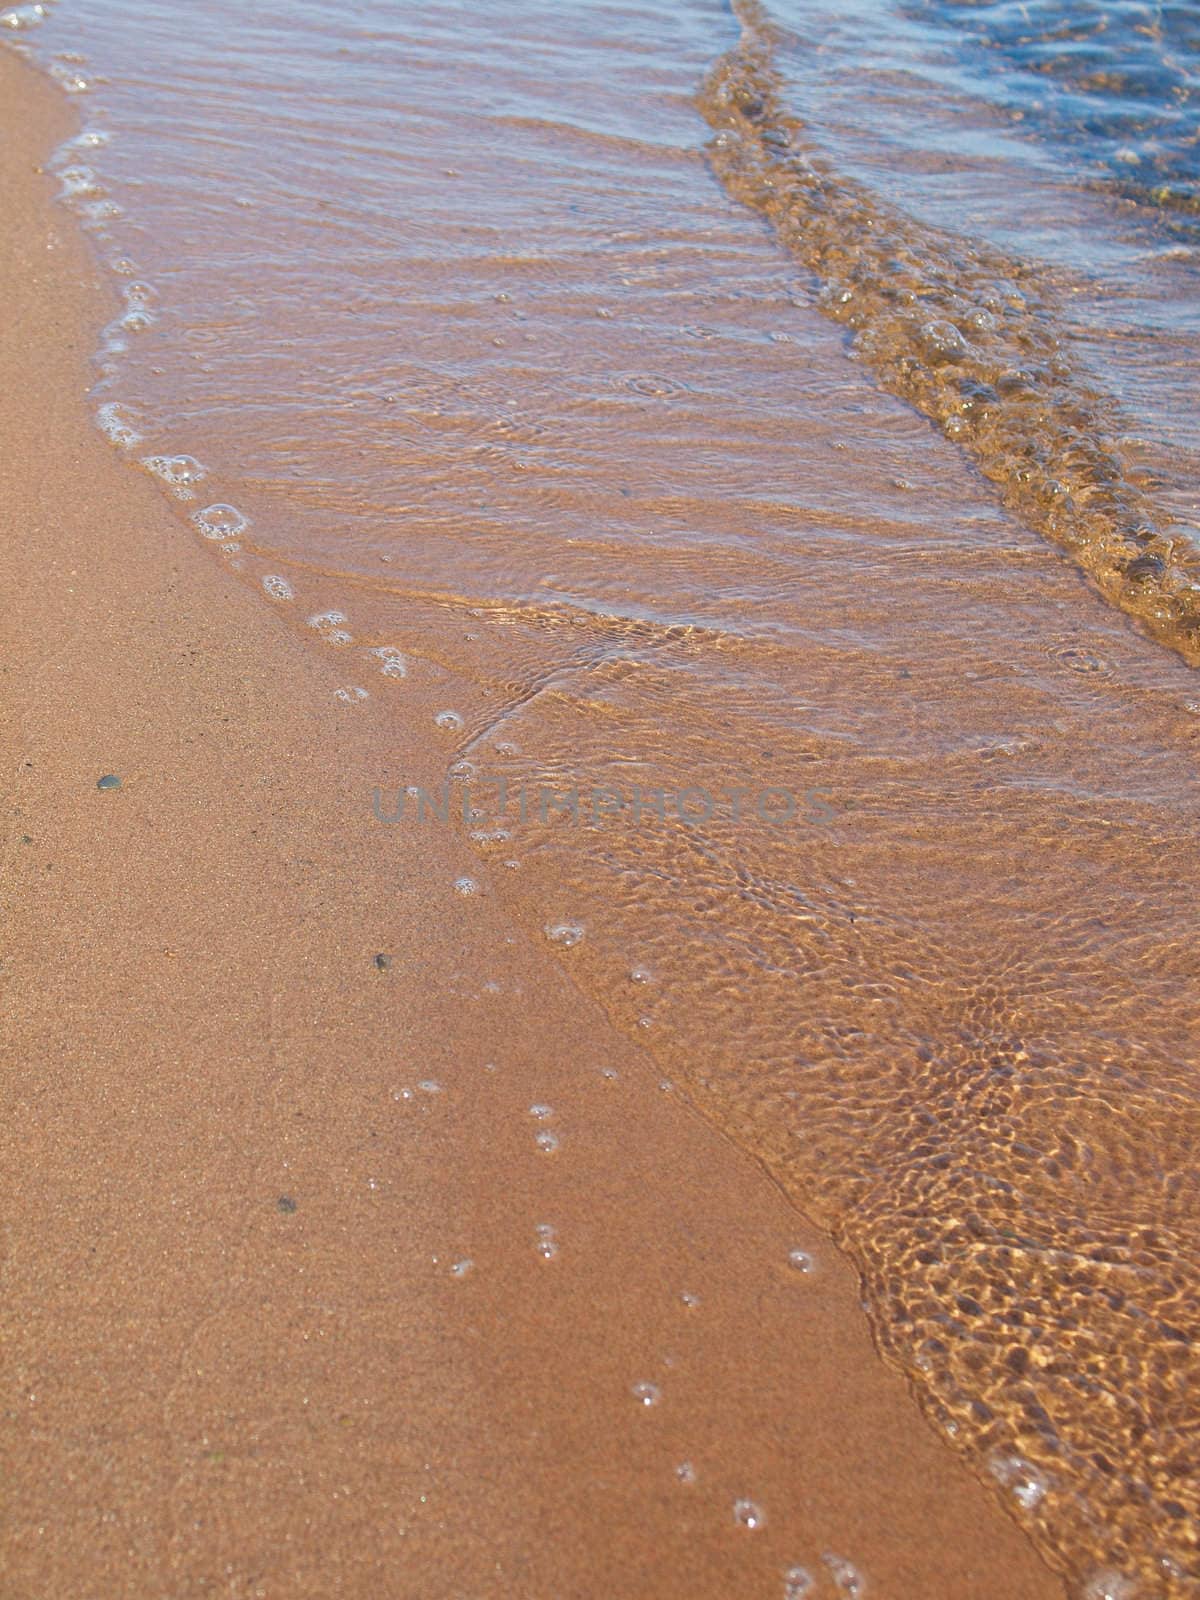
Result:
<point x="383" y="962"/>
<point x="286" y="1204"/>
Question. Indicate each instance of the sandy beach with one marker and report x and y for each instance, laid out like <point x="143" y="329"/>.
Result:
<point x="278" y="1320"/>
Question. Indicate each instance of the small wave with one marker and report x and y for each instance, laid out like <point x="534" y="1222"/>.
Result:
<point x="963" y="333"/>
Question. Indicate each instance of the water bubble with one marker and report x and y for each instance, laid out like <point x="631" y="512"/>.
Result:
<point x="278" y="588"/>
<point x="220" y="521"/>
<point x="114" y="424"/>
<point x="689" y="1299"/>
<point x="748" y="1515"/>
<point x="801" y="1260"/>
<point x="70" y="79"/>
<point x="547" y="1141"/>
<point x="448" y="719"/>
<point x="641" y="975"/>
<point x="17" y="17"/>
<point x="610" y="1073"/>
<point x="465" y="886"/>
<point x="181" y="472"/>
<point x="136" y="320"/>
<point x="1110" y="1585"/>
<point x="402" y="1094"/>
<point x="392" y="662"/>
<point x="430" y="1086"/>
<point x="350" y="696"/>
<point x="846" y="1577"/>
<point x="564" y="933"/>
<point x="942" y="342"/>
<point x="686" y="1472"/>
<point x="1027" y="1485"/>
<point x="547" y="1241"/>
<point x="798" y="1583"/>
<point x="79" y="180"/>
<point x="100" y="211"/>
<point x="542" y="1113"/>
<point x="326" y="624"/>
<point x="461" y="1268"/>
<point x="463" y="769"/>
<point x="647" y="1394"/>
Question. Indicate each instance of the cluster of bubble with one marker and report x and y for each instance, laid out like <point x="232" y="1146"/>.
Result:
<point x="331" y="627"/>
<point x="18" y="18"/>
<point x="847" y="1579"/>
<point x="391" y="661"/>
<point x="350" y="695"/>
<point x="278" y="588"/>
<point x="179" y="473"/>
<point x="220" y="521"/>
<point x="66" y="72"/>
<point x="546" y="1241"/>
<point x="114" y="424"/>
<point x="1021" y="1478"/>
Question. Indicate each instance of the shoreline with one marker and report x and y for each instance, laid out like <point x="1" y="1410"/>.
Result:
<point x="243" y="1360"/>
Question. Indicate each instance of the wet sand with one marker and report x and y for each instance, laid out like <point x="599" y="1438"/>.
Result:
<point x="239" y="1360"/>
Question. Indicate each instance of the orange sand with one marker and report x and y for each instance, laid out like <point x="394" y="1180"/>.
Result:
<point x="208" y="1394"/>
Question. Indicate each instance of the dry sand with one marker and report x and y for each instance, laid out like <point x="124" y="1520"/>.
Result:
<point x="237" y="1360"/>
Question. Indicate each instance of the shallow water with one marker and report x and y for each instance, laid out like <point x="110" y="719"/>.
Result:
<point x="822" y="763"/>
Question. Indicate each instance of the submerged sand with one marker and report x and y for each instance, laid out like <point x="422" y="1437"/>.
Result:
<point x="238" y="1358"/>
